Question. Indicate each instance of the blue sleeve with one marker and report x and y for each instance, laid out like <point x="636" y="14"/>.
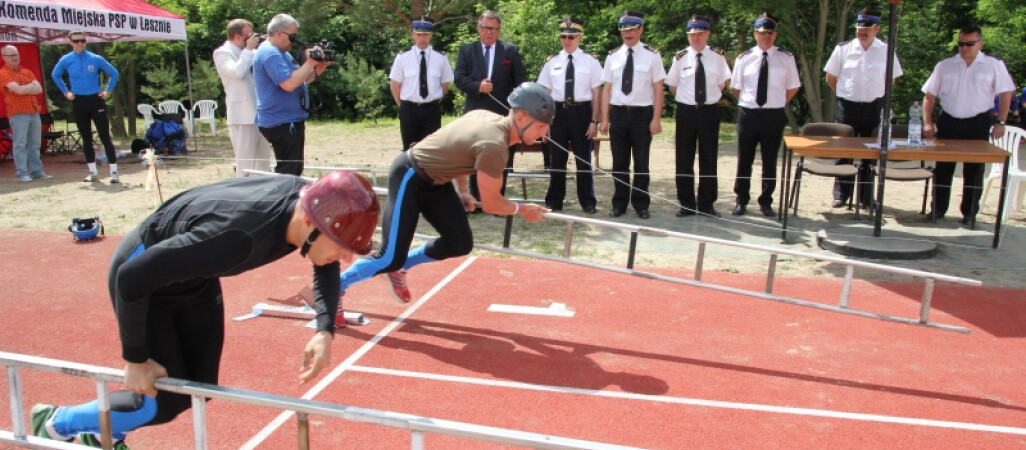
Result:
<point x="112" y="73"/>
<point x="58" y="75"/>
<point x="278" y="68"/>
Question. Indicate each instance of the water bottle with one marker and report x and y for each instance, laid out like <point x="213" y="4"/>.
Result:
<point x="915" y="125"/>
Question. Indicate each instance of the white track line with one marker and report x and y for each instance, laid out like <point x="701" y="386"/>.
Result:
<point x="699" y="402"/>
<point x="331" y="377"/>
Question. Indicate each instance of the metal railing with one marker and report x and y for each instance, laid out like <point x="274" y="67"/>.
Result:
<point x="417" y="425"/>
<point x="930" y="278"/>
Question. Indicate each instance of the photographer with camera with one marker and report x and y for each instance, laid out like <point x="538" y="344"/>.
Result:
<point x="283" y="100"/>
<point x="234" y="61"/>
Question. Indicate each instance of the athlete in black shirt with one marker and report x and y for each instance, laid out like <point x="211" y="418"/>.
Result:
<point x="164" y="282"/>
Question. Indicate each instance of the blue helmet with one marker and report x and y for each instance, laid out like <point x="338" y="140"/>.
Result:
<point x="86" y="229"/>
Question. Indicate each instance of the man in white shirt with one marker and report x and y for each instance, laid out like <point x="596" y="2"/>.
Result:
<point x="234" y="60"/>
<point x="765" y="79"/>
<point x="419" y="79"/>
<point x="966" y="85"/>
<point x="696" y="80"/>
<point x="632" y="104"/>
<point x="856" y="71"/>
<point x="574" y="78"/>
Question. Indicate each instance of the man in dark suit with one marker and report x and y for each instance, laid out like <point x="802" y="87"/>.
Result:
<point x="487" y="71"/>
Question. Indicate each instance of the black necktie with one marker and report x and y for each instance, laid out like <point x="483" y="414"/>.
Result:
<point x="627" y="83"/>
<point x="760" y="94"/>
<point x="699" y="81"/>
<point x="423" y="76"/>
<point x="568" y="87"/>
<point x="488" y="59"/>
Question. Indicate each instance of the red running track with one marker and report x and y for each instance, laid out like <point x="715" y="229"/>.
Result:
<point x="641" y="363"/>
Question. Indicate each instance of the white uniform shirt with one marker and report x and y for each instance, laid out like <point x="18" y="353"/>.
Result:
<point x="682" y="75"/>
<point x="648" y="69"/>
<point x="967" y="91"/>
<point x="783" y="75"/>
<point x="860" y="73"/>
<point x="587" y="74"/>
<point x="406" y="71"/>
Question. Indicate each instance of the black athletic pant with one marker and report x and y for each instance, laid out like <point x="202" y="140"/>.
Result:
<point x="864" y="118"/>
<point x="418" y="120"/>
<point x="701" y="125"/>
<point x="185" y="329"/>
<point x="89" y="110"/>
<point x="569" y="130"/>
<point x="976" y="127"/>
<point x="287" y="141"/>
<point x="629" y="135"/>
<point x="763" y="128"/>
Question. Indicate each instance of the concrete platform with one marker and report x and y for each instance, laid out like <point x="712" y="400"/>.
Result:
<point x="859" y="242"/>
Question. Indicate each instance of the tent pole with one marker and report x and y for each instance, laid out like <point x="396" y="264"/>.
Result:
<point x="188" y="79"/>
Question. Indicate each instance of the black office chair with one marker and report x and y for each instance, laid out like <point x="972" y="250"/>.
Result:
<point x="823" y="169"/>
<point x="907" y="172"/>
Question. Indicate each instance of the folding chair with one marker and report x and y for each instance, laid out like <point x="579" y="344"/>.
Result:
<point x="823" y="169"/>
<point x="6" y="144"/>
<point x="52" y="141"/>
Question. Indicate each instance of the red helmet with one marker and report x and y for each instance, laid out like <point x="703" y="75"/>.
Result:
<point x="343" y="206"/>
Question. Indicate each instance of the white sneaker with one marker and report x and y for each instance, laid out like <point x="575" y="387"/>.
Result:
<point x="114" y="178"/>
<point x="92" y="177"/>
<point x="42" y="176"/>
<point x="24" y="178"/>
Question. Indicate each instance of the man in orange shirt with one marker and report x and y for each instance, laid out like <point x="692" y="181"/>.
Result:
<point x="20" y="88"/>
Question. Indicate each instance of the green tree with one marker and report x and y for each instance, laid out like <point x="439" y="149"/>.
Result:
<point x="366" y="83"/>
<point x="205" y="82"/>
<point x="164" y="82"/>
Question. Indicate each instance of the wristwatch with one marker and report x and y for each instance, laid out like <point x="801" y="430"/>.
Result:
<point x="1001" y="122"/>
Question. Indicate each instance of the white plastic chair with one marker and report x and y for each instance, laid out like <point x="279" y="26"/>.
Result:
<point x="206" y="110"/>
<point x="176" y="107"/>
<point x="1010" y="142"/>
<point x="147" y="112"/>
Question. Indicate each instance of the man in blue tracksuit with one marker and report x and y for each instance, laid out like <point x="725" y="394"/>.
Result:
<point x="88" y="101"/>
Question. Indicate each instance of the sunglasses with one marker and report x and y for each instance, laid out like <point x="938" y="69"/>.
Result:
<point x="571" y="37"/>
<point x="78" y="41"/>
<point x="967" y="43"/>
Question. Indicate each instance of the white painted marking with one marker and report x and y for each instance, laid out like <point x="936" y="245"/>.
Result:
<point x="555" y="310"/>
<point x="700" y="402"/>
<point x="331" y="377"/>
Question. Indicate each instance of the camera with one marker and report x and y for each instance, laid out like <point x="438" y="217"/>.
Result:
<point x="325" y="54"/>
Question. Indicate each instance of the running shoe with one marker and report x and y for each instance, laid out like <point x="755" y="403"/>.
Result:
<point x="92" y="440"/>
<point x="114" y="178"/>
<point x="41" y="415"/>
<point x="24" y="178"/>
<point x="397" y="285"/>
<point x="42" y="176"/>
<point x="92" y="177"/>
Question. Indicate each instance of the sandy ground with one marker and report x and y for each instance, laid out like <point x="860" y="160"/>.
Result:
<point x="51" y="204"/>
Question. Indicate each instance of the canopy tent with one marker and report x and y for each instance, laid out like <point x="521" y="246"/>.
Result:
<point x="48" y="22"/>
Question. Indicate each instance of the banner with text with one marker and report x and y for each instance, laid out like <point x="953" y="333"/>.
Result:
<point x="49" y="22"/>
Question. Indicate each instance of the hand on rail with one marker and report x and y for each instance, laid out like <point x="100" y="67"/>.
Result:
<point x="140" y="377"/>
<point x="316" y="356"/>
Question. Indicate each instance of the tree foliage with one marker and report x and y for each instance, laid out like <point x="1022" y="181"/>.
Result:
<point x="371" y="32"/>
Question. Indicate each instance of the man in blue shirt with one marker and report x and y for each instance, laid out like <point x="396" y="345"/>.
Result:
<point x="88" y="101"/>
<point x="283" y="101"/>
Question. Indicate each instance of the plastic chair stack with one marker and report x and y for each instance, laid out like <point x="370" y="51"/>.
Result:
<point x="1010" y="142"/>
<point x="203" y="111"/>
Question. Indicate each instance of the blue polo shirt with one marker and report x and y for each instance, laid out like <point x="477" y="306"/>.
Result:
<point x="275" y="106"/>
<point x="83" y="71"/>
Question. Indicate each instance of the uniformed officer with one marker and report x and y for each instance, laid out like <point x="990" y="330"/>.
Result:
<point x="696" y="80"/>
<point x="856" y="71"/>
<point x="574" y="78"/>
<point x="966" y="84"/>
<point x="765" y="79"/>
<point x="419" y="78"/>
<point x="632" y="104"/>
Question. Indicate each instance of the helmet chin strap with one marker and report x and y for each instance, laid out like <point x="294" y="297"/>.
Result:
<point x="520" y="131"/>
<point x="309" y="241"/>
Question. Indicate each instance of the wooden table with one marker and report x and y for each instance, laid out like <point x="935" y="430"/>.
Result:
<point x="946" y="150"/>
